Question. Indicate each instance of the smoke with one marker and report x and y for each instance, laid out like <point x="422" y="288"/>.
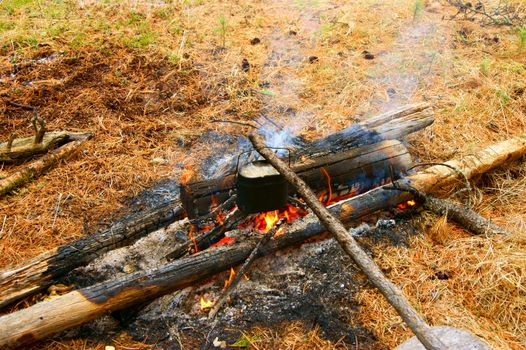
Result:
<point x="401" y="73"/>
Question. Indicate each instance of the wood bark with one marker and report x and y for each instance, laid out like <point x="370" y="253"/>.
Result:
<point x="19" y="149"/>
<point x="465" y="217"/>
<point x="72" y="309"/>
<point x="46" y="269"/>
<point x="358" y="169"/>
<point x="41" y="165"/>
<point x="389" y="290"/>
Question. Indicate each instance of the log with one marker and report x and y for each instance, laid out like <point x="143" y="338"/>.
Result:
<point x="197" y="197"/>
<point x="358" y="170"/>
<point x="359" y="165"/>
<point x="46" y="269"/>
<point x="389" y="290"/>
<point x="46" y="318"/>
<point x="17" y="150"/>
<point x="41" y="165"/>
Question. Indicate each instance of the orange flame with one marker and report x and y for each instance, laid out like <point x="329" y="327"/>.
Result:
<point x="328" y="184"/>
<point x="230" y="278"/>
<point x="191" y="236"/>
<point x="265" y="221"/>
<point x="186" y="176"/>
<point x="206" y="304"/>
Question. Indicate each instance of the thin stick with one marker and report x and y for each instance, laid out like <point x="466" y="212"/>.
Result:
<point x="232" y="122"/>
<point x="246" y="265"/>
<point x="390" y="291"/>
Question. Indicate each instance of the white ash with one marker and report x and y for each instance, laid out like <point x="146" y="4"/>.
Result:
<point x="145" y="254"/>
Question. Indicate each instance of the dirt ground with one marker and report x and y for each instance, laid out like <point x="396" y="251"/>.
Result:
<point x="149" y="78"/>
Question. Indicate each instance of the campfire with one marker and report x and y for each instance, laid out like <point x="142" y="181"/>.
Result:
<point x="226" y="223"/>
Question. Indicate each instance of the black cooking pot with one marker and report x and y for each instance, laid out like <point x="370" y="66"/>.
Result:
<point x="260" y="188"/>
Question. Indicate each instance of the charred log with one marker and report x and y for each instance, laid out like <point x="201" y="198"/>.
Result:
<point x="72" y="309"/>
<point x="47" y="268"/>
<point x="356" y="170"/>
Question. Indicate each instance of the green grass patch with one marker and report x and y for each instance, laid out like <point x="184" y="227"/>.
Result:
<point x="141" y="40"/>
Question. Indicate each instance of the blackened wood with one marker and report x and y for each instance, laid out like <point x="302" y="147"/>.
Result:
<point x="390" y="291"/>
<point x="64" y="312"/>
<point x="46" y="269"/>
<point x="358" y="170"/>
<point x="201" y="241"/>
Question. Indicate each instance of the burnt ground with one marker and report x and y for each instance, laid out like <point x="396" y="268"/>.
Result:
<point x="314" y="284"/>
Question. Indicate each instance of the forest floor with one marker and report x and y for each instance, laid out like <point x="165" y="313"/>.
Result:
<point x="148" y="77"/>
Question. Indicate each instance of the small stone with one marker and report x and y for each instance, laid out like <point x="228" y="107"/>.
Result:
<point x="109" y="347"/>
<point x="255" y="41"/>
<point x="219" y="343"/>
<point x="442" y="275"/>
<point x="453" y="338"/>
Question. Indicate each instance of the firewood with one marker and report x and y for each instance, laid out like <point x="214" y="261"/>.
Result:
<point x="389" y="290"/>
<point x="17" y="150"/>
<point x="72" y="309"/>
<point x="197" y="197"/>
<point x="363" y="167"/>
<point x="39" y="166"/>
<point x="46" y="269"/>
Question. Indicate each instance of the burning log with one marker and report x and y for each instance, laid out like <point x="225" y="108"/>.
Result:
<point x="72" y="309"/>
<point x="356" y="170"/>
<point x="43" y="271"/>
<point x="389" y="290"/>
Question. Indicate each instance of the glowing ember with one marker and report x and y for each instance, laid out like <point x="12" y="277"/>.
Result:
<point x="206" y="304"/>
<point x="408" y="204"/>
<point x="224" y="240"/>
<point x="230" y="278"/>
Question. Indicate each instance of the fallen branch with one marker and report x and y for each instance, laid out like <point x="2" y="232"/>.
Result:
<point x="462" y="215"/>
<point x="39" y="166"/>
<point x="388" y="289"/>
<point x="465" y="217"/>
<point x="72" y="309"/>
<point x="16" y="150"/>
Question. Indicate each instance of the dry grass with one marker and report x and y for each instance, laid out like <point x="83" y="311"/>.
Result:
<point x="147" y="76"/>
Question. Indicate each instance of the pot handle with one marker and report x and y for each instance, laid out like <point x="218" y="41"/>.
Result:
<point x="252" y="150"/>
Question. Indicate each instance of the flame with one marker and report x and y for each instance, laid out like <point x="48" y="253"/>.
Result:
<point x="206" y="304"/>
<point x="230" y="278"/>
<point x="265" y="221"/>
<point x="219" y="216"/>
<point x="191" y="236"/>
<point x="186" y="176"/>
<point x="328" y="184"/>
